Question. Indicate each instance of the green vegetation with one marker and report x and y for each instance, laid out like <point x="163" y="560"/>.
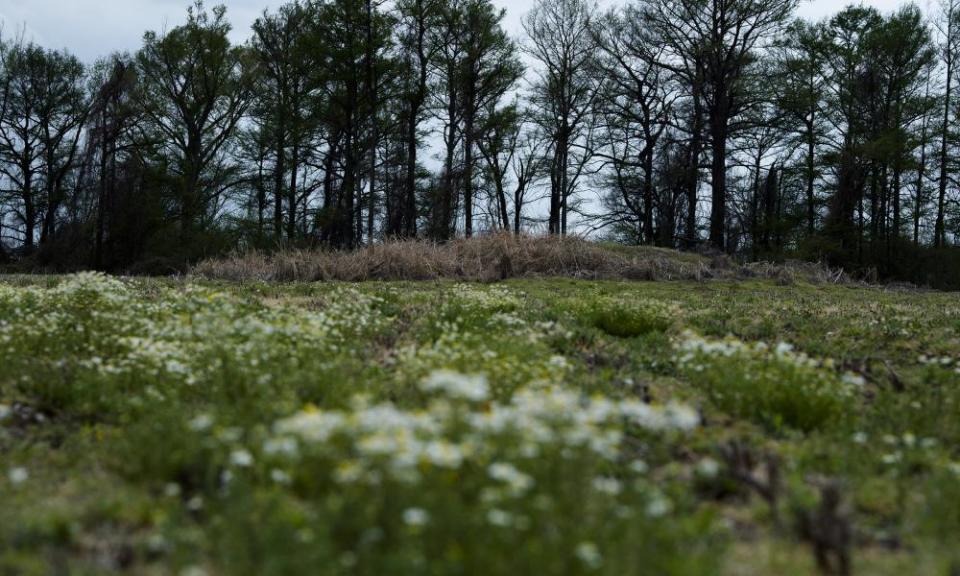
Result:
<point x="530" y="426"/>
<point x="776" y="388"/>
<point x="629" y="318"/>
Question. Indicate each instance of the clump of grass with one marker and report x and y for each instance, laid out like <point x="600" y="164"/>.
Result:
<point x="940" y="517"/>
<point x="495" y="257"/>
<point x="486" y="258"/>
<point x="630" y="318"/>
<point x="773" y="386"/>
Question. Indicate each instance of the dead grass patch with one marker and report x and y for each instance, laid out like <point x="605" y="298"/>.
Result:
<point x="496" y="257"/>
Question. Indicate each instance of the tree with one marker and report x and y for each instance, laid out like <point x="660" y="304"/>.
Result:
<point x="418" y="19"/>
<point x="497" y="140"/>
<point x="60" y="118"/>
<point x="113" y="116"/>
<point x="720" y="40"/>
<point x="194" y="89"/>
<point x="353" y="37"/>
<point x="491" y="68"/>
<point x="477" y="66"/>
<point x="284" y="105"/>
<point x="904" y="54"/>
<point x="800" y="85"/>
<point x="564" y="92"/>
<point x="636" y="105"/>
<point x="850" y="111"/>
<point x="44" y="110"/>
<point x="920" y="199"/>
<point x="20" y="148"/>
<point x="948" y="26"/>
<point x="876" y="71"/>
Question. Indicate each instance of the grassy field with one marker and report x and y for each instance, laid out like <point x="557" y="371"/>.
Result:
<point x="525" y="427"/>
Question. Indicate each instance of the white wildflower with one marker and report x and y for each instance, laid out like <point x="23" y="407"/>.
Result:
<point x="282" y="446"/>
<point x="516" y="481"/>
<point x="349" y="472"/>
<point x="456" y="385"/>
<point x="658" y="507"/>
<point x="415" y="517"/>
<point x="708" y="468"/>
<point x="443" y="454"/>
<point x="855" y="380"/>
<point x="311" y="425"/>
<point x="18" y="475"/>
<point x="682" y="417"/>
<point x="605" y="485"/>
<point x="241" y="458"/>
<point x="500" y="518"/>
<point x="232" y="434"/>
<point x="201" y="423"/>
<point x="783" y="349"/>
<point x="589" y="554"/>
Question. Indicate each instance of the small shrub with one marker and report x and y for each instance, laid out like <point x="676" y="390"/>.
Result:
<point x="629" y="319"/>
<point x="772" y="386"/>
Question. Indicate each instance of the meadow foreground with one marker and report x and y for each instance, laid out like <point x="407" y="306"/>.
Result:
<point x="525" y="427"/>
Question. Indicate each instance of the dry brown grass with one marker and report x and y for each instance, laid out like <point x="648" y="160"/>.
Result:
<point x="491" y="258"/>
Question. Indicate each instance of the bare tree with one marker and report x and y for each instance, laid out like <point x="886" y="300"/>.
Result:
<point x="719" y="38"/>
<point x="418" y="18"/>
<point x="948" y="25"/>
<point x="636" y="105"/>
<point x="564" y="91"/>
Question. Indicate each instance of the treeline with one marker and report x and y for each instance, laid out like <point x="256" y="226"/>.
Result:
<point x="678" y="123"/>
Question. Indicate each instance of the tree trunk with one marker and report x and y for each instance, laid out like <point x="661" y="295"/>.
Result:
<point x="292" y="194"/>
<point x="718" y="173"/>
<point x="918" y="200"/>
<point x="468" y="170"/>
<point x="693" y="162"/>
<point x="648" y="231"/>
<point x="409" y="211"/>
<point x="811" y="177"/>
<point x="939" y="229"/>
<point x="407" y="226"/>
<point x="518" y="208"/>
<point x="373" y="103"/>
<point x="29" y="213"/>
<point x="102" y="196"/>
<point x="279" y="176"/>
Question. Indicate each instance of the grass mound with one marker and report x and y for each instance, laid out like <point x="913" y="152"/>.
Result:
<point x="490" y="258"/>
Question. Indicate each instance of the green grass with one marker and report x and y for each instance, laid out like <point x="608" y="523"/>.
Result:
<point x="539" y="426"/>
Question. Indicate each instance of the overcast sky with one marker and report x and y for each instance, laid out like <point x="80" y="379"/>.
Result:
<point x="93" y="28"/>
